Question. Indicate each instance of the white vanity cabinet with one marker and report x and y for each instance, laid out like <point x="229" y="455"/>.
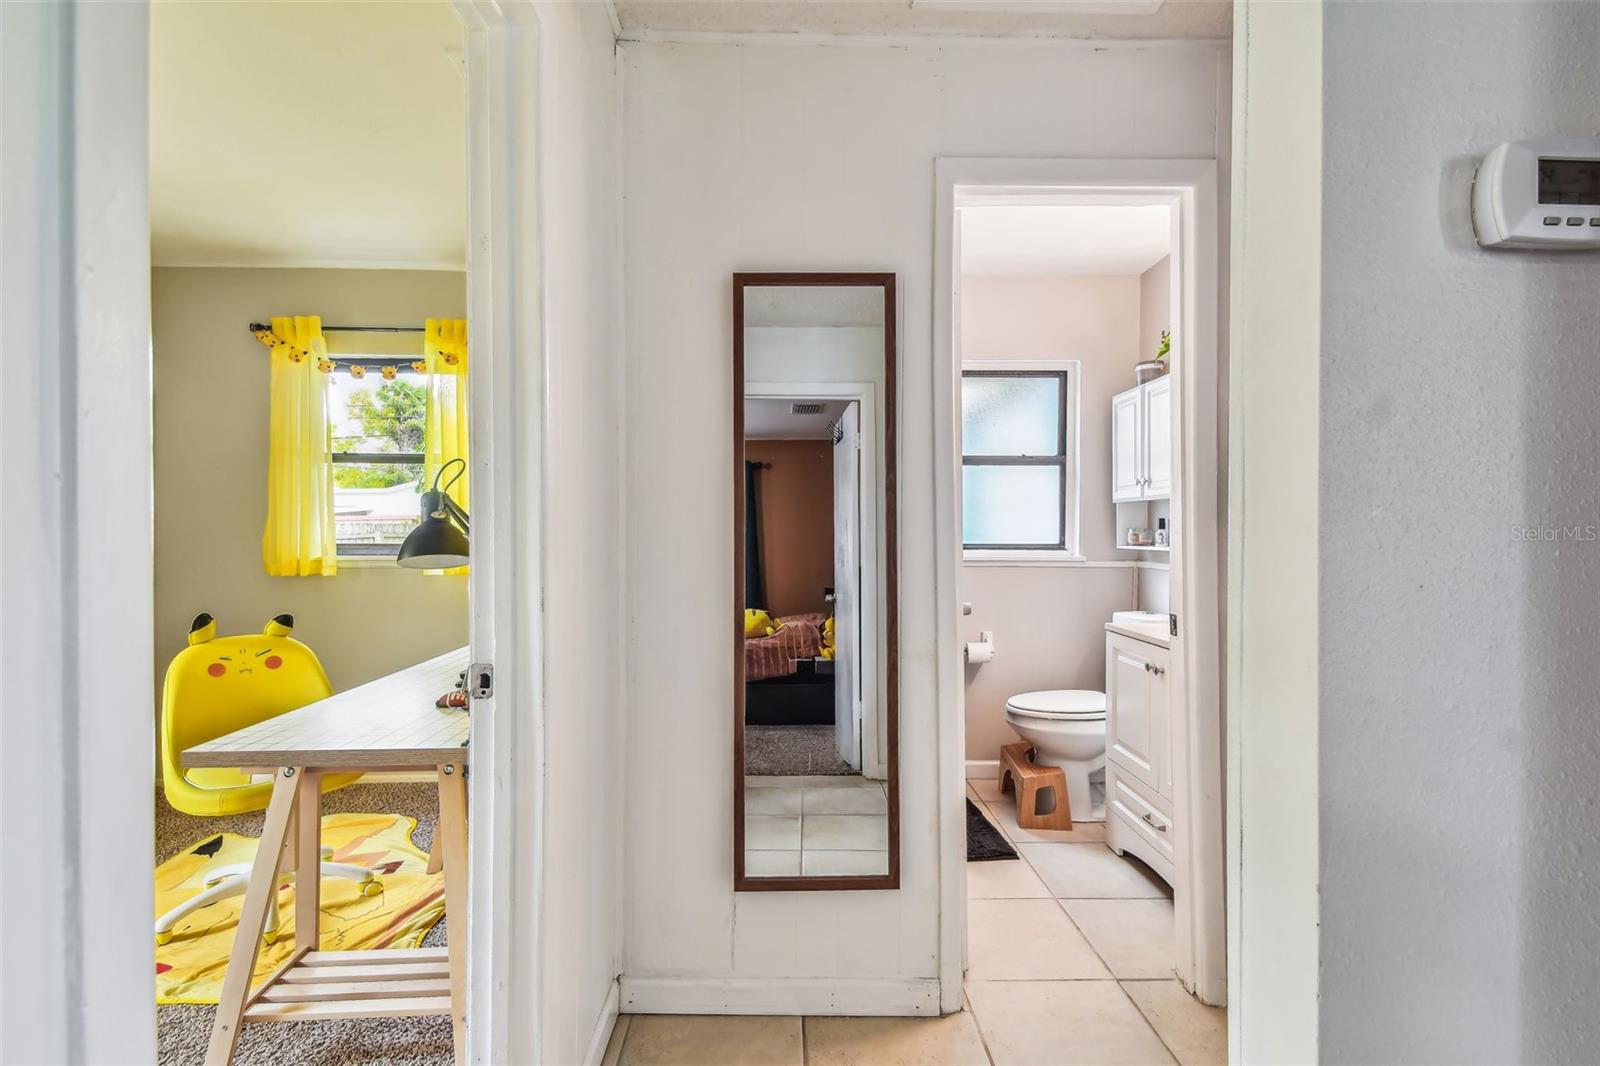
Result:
<point x="1141" y="442"/>
<point x="1139" y="752"/>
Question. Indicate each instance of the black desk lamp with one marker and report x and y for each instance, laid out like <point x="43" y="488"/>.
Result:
<point x="440" y="539"/>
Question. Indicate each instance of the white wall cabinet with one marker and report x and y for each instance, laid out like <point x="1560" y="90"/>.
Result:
<point x="1141" y="442"/>
<point x="1127" y="447"/>
<point x="1139" y="755"/>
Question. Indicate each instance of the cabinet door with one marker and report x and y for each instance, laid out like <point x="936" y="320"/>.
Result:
<point x="1158" y="439"/>
<point x="1127" y="446"/>
<point x="1131" y="737"/>
<point x="1161" y="721"/>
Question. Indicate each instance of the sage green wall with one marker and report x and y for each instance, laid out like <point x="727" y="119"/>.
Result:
<point x="211" y="467"/>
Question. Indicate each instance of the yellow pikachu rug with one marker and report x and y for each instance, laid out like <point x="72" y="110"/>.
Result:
<point x="190" y="967"/>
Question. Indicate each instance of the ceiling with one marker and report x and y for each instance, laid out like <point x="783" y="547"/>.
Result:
<point x="772" y="420"/>
<point x="1063" y="240"/>
<point x="295" y="134"/>
<point x="1193" y="19"/>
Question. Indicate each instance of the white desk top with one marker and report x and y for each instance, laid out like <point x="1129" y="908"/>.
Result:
<point x="390" y="721"/>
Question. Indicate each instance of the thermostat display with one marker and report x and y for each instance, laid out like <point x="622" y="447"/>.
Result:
<point x="1569" y="181"/>
<point x="1539" y="194"/>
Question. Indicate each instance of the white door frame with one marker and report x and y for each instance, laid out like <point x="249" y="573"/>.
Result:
<point x="505" y="286"/>
<point x="76" y="644"/>
<point x="77" y="618"/>
<point x="1190" y="187"/>
<point x="874" y="763"/>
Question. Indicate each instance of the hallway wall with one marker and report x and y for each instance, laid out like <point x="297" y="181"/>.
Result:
<point x="773" y="157"/>
<point x="1459" y="680"/>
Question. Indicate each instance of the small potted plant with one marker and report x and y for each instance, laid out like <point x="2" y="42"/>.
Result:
<point x="1151" y="369"/>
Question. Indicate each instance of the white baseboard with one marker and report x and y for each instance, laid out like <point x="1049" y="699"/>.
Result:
<point x="603" y="1026"/>
<point x="983" y="769"/>
<point x="779" y="995"/>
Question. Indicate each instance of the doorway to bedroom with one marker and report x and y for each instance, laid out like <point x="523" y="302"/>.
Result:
<point x="308" y="232"/>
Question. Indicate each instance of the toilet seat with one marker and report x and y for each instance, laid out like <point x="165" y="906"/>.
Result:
<point x="1072" y="704"/>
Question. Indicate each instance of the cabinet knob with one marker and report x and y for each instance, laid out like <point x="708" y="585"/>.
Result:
<point x="1153" y="824"/>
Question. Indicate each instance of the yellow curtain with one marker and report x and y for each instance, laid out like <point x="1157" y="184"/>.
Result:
<point x="445" y="352"/>
<point x="298" y="540"/>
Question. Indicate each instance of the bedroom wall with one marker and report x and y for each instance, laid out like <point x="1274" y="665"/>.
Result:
<point x="795" y="495"/>
<point x="802" y="157"/>
<point x="211" y="411"/>
<point x="1048" y="620"/>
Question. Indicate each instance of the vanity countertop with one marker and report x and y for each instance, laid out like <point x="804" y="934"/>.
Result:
<point x="1149" y="632"/>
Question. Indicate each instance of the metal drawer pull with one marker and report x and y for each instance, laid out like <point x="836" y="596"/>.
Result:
<point x="1153" y="668"/>
<point x="1153" y="824"/>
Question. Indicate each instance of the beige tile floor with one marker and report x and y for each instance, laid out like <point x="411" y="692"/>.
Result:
<point x="834" y="826"/>
<point x="1097" y="986"/>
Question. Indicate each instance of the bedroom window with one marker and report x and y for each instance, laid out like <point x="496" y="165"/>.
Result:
<point x="377" y="425"/>
<point x="1018" y="461"/>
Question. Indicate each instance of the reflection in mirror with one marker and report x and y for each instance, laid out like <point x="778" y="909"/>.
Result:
<point x="815" y="630"/>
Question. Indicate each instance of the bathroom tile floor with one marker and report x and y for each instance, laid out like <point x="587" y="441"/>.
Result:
<point x="1094" y="985"/>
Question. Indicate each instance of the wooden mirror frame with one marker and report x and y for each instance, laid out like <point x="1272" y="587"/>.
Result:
<point x="891" y="604"/>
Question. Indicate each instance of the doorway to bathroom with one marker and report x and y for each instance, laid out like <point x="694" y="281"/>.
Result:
<point x="1076" y="398"/>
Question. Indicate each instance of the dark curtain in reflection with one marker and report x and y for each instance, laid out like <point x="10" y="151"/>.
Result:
<point x="755" y="588"/>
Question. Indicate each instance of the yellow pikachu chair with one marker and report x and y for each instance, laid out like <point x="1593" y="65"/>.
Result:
<point x="218" y="685"/>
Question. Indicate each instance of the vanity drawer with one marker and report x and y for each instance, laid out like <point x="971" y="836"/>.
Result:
<point x="1141" y="822"/>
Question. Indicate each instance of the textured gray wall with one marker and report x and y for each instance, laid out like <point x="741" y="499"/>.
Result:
<point x="1460" y="670"/>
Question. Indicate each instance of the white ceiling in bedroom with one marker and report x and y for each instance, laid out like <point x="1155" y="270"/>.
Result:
<point x="296" y="134"/>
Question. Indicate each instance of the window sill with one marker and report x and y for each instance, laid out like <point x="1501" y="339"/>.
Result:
<point x="367" y="562"/>
<point x="1022" y="557"/>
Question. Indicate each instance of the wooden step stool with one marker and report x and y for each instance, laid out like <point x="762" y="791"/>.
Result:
<point x="1033" y="784"/>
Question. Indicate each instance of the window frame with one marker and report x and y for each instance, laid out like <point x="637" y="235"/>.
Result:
<point x="353" y="551"/>
<point x="1068" y="462"/>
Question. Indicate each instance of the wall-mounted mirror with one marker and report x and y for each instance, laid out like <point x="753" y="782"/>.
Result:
<point x="816" y="803"/>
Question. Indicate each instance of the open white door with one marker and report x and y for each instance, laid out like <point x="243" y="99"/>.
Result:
<point x="847" y="585"/>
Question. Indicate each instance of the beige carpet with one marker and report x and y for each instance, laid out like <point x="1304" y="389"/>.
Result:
<point x="182" y="1032"/>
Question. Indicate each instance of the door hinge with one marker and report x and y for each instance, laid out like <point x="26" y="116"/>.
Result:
<point x="1172" y="625"/>
<point x="481" y="676"/>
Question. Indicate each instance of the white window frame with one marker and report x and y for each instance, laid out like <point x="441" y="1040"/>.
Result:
<point x="1072" y="471"/>
<point x="342" y="363"/>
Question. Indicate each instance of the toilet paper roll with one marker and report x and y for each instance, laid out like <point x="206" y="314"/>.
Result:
<point x="980" y="651"/>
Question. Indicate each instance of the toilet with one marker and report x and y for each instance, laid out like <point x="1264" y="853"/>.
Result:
<point x="1067" y="728"/>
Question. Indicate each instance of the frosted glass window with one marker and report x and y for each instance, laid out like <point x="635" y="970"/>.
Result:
<point x="1016" y="492"/>
<point x="1003" y="414"/>
<point x="1011" y="505"/>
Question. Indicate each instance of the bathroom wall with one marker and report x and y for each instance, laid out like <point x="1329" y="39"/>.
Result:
<point x="806" y="157"/>
<point x="1458" y="687"/>
<point x="1048" y="620"/>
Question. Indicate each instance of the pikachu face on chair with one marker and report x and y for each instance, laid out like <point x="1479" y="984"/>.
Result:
<point x="268" y="667"/>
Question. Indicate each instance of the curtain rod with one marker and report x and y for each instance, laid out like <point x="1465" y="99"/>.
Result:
<point x="256" y="327"/>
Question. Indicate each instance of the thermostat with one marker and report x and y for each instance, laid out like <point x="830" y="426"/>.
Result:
<point x="1539" y="194"/>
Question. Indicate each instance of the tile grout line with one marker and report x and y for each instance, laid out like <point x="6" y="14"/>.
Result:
<point x="1151" y="1026"/>
<point x="1060" y="903"/>
<point x="977" y="1024"/>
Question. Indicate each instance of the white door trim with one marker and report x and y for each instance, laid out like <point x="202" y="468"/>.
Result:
<point x="874" y="763"/>
<point x="505" y="302"/>
<point x="75" y="634"/>
<point x="1190" y="186"/>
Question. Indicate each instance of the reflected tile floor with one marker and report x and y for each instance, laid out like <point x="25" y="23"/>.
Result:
<point x="1103" y="993"/>
<point x="826" y="826"/>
